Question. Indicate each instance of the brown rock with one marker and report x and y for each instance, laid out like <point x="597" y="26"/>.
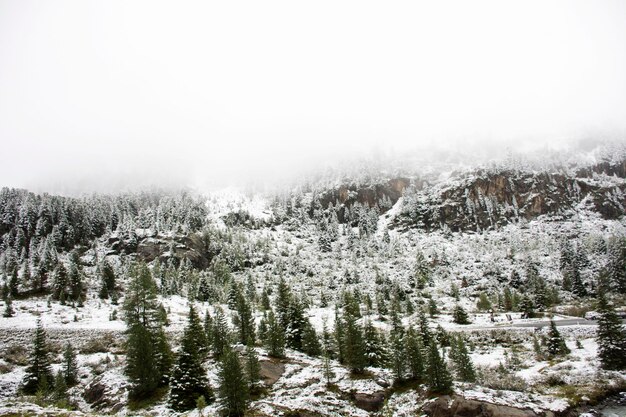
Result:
<point x="369" y="402"/>
<point x="457" y="406"/>
<point x="271" y="371"/>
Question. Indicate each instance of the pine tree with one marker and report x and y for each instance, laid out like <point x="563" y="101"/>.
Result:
<point x="459" y="315"/>
<point x="556" y="344"/>
<point x="283" y="299"/>
<point x="233" y="389"/>
<point x="611" y="336"/>
<point x="262" y="329"/>
<point x="245" y="319"/>
<point x="294" y="323"/>
<point x="443" y="338"/>
<point x="339" y="336"/>
<point x="70" y="368"/>
<point x="508" y="299"/>
<point x="147" y="350"/>
<point x="74" y="277"/>
<point x="107" y="280"/>
<point x="253" y="368"/>
<point x="527" y="307"/>
<point x="163" y="357"/>
<point x="567" y="279"/>
<point x="439" y="379"/>
<point x="14" y="284"/>
<point x="329" y="374"/>
<point x="8" y="310"/>
<point x="515" y="280"/>
<point x="433" y="310"/>
<point x="59" y="282"/>
<point x="415" y="359"/>
<point x="208" y="329"/>
<point x="221" y="333"/>
<point x="397" y="354"/>
<point x="60" y="389"/>
<point x="265" y="300"/>
<point x="424" y="329"/>
<point x="198" y="334"/>
<point x="617" y="265"/>
<point x="374" y="345"/>
<point x="578" y="287"/>
<point x="275" y="342"/>
<point x="310" y="341"/>
<point x="353" y="346"/>
<point x="462" y="362"/>
<point x="204" y="289"/>
<point x="38" y="371"/>
<point x="189" y="380"/>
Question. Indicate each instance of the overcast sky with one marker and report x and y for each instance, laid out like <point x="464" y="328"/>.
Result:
<point x="94" y="93"/>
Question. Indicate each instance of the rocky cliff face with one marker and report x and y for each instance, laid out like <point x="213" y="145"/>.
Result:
<point x="487" y="200"/>
<point x="194" y="247"/>
<point x="385" y="195"/>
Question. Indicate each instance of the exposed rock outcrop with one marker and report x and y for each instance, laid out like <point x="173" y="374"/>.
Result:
<point x="457" y="406"/>
<point x="487" y="200"/>
<point x="384" y="195"/>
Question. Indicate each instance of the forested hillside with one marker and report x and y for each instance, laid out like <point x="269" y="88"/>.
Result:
<point x="363" y="297"/>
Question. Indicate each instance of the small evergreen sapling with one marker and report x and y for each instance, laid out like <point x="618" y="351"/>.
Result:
<point x="70" y="368"/>
<point x="459" y="315"/>
<point x="556" y="344"/>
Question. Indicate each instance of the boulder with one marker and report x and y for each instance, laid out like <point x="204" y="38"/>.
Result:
<point x="457" y="406"/>
<point x="369" y="402"/>
<point x="271" y="371"/>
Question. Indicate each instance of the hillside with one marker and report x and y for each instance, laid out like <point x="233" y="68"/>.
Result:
<point x="351" y="266"/>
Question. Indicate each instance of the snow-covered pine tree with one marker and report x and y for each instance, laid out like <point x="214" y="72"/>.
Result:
<point x="70" y="367"/>
<point x="556" y="344"/>
<point x="189" y="381"/>
<point x="424" y="329"/>
<point x="462" y="362"/>
<point x="74" y="277"/>
<point x="107" y="280"/>
<point x="295" y="323"/>
<point x="459" y="315"/>
<point x="148" y="353"/>
<point x="38" y="371"/>
<point x="397" y="353"/>
<point x="310" y="340"/>
<point x="439" y="379"/>
<point x="352" y="341"/>
<point x="221" y="333"/>
<point x="59" y="282"/>
<point x="617" y="264"/>
<point x="374" y="345"/>
<point x="246" y="319"/>
<point x="198" y="335"/>
<point x="414" y="353"/>
<point x="611" y="336"/>
<point x="275" y="339"/>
